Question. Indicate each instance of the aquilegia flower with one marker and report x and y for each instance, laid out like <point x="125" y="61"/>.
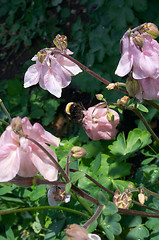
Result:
<point x="100" y="123"/>
<point x="21" y="156"/>
<point x="76" y="232"/>
<point x="52" y="71"/>
<point x="140" y="54"/>
<point x="57" y="194"/>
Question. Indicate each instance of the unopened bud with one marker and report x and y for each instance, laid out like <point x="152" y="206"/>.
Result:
<point x="41" y="55"/>
<point x="123" y="101"/>
<point x="122" y="200"/>
<point x="78" y="152"/>
<point x="151" y="29"/>
<point x="138" y="41"/>
<point x="75" y="232"/>
<point x="132" y="86"/>
<point x="142" y="198"/>
<point x="111" y="86"/>
<point x="17" y="124"/>
<point x="56" y="195"/>
<point x="99" y="97"/>
<point x="60" y="41"/>
<point x="110" y="116"/>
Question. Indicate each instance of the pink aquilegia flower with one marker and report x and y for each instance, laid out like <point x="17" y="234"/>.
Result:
<point x="52" y="71"/>
<point x="100" y="123"/>
<point x="140" y="54"/>
<point x="19" y="155"/>
<point x="146" y="88"/>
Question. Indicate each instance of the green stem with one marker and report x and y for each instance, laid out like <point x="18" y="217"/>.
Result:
<point x="150" y="192"/>
<point x="94" y="217"/>
<point x="152" y="104"/>
<point x="5" y="110"/>
<point x="138" y="113"/>
<point x="82" y="202"/>
<point x="4" y="122"/>
<point x="3" y="212"/>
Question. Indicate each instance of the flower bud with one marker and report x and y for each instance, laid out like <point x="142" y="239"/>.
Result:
<point x="57" y="194"/>
<point x="17" y="124"/>
<point x="111" y="86"/>
<point x="110" y="116"/>
<point x="123" y="101"/>
<point x="78" y="152"/>
<point x="60" y="41"/>
<point x="132" y="86"/>
<point x="99" y="97"/>
<point x="142" y="198"/>
<point x="122" y="200"/>
<point x="138" y="41"/>
<point x="75" y="232"/>
<point x="151" y="29"/>
<point x="41" y="55"/>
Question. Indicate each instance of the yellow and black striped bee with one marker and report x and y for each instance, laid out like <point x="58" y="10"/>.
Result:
<point x="75" y="111"/>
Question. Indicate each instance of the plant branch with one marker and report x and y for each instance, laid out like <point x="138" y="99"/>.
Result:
<point x="94" y="217"/>
<point x="88" y="70"/>
<point x="5" y="110"/>
<point x="138" y="113"/>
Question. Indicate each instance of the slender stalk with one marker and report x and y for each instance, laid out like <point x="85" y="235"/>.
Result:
<point x="137" y="213"/>
<point x="88" y="70"/>
<point x="152" y="104"/>
<point x="150" y="192"/>
<point x="82" y="202"/>
<point x="57" y="165"/>
<point x="138" y="113"/>
<point x="4" y="212"/>
<point x="84" y="195"/>
<point x="4" y="122"/>
<point x="94" y="217"/>
<point x="111" y="192"/>
<point x="5" y="110"/>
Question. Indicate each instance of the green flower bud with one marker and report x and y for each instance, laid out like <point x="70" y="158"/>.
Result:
<point x="151" y="29"/>
<point x="60" y="41"/>
<point x="132" y="86"/>
<point x="78" y="152"/>
<point x="110" y="116"/>
<point x="41" y="55"/>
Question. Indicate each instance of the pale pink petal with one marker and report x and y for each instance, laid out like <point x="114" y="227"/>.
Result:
<point x="43" y="163"/>
<point x="27" y="168"/>
<point x="51" y="83"/>
<point x="9" y="162"/>
<point x="32" y="76"/>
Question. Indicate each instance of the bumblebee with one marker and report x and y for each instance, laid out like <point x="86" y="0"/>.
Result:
<point x="75" y="111"/>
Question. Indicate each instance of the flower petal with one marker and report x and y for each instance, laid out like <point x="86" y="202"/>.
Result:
<point x="9" y="162"/>
<point x="31" y="76"/>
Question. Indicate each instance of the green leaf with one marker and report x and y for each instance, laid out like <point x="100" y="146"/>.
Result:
<point x="9" y="233"/>
<point x="38" y="192"/>
<point x="96" y="163"/>
<point x="142" y="108"/>
<point x="68" y="187"/>
<point x="110" y="209"/>
<point x="118" y="169"/>
<point x="130" y="221"/>
<point x="139" y="232"/>
<point x="76" y="176"/>
<point x="102" y="198"/>
<point x="5" y="189"/>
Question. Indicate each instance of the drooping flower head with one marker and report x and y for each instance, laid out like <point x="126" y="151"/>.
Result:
<point x="100" y="123"/>
<point x="52" y="71"/>
<point x="57" y="194"/>
<point x="76" y="232"/>
<point x="140" y="54"/>
<point x="20" y="156"/>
